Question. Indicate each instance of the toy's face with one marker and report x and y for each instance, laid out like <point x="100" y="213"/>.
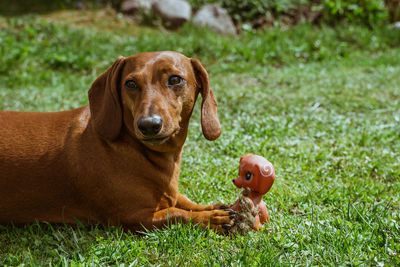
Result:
<point x="255" y="172"/>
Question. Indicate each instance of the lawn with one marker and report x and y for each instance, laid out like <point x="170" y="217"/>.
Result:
<point x="321" y="103"/>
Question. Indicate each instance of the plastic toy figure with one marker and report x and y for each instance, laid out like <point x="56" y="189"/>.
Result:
<point x="256" y="175"/>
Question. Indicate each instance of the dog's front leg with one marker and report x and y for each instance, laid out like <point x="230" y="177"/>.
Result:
<point x="220" y="220"/>
<point x="184" y="203"/>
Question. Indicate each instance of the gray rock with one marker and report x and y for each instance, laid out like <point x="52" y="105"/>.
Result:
<point x="216" y="18"/>
<point x="131" y="7"/>
<point x="396" y="25"/>
<point x="173" y="12"/>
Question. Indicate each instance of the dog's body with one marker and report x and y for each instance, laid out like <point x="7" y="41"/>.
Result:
<point x="116" y="161"/>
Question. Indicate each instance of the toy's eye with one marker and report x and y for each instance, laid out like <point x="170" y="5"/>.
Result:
<point x="249" y="176"/>
<point x="131" y="85"/>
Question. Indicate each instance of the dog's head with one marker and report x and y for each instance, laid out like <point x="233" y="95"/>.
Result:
<point x="152" y="95"/>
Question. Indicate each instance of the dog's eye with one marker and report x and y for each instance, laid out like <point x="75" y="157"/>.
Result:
<point x="174" y="80"/>
<point x="249" y="176"/>
<point x="131" y="85"/>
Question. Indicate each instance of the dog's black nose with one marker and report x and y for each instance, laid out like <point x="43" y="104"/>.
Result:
<point x="150" y="125"/>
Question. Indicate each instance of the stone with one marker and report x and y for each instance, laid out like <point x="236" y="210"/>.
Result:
<point x="172" y="12"/>
<point x="131" y="7"/>
<point x="216" y="18"/>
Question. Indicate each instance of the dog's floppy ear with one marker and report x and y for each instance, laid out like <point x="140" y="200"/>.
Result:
<point x="209" y="115"/>
<point x="105" y="103"/>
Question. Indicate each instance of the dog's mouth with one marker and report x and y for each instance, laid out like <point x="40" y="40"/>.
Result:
<point x="159" y="140"/>
<point x="156" y="140"/>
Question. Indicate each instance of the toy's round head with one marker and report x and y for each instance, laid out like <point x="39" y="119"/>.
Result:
<point x="255" y="172"/>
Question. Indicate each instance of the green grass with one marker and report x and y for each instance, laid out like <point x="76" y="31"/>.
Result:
<point x="322" y="104"/>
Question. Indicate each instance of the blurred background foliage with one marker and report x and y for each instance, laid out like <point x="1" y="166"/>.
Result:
<point x="367" y="12"/>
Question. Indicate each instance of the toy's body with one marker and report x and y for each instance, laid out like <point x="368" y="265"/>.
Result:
<point x="257" y="174"/>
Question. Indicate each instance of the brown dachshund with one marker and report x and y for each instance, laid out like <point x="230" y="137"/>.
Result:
<point x="116" y="161"/>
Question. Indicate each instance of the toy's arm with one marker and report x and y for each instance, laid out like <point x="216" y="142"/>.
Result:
<point x="264" y="216"/>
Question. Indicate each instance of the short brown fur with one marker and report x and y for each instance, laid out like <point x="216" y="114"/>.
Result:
<point x="93" y="164"/>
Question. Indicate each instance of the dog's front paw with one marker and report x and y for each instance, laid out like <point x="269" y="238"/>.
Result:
<point x="217" y="219"/>
<point x="218" y="206"/>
